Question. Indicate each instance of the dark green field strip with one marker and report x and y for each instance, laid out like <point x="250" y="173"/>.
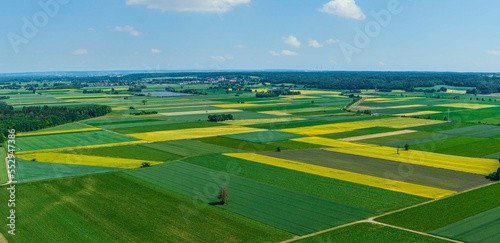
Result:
<point x="265" y="203"/>
<point x="359" y="132"/>
<point x="289" y="144"/>
<point x="70" y="140"/>
<point x="289" y="124"/>
<point x="264" y="137"/>
<point x="345" y="118"/>
<point x="434" y="138"/>
<point x="118" y="121"/>
<point x="188" y="148"/>
<point x="442" y="126"/>
<point x="402" y="139"/>
<point x="165" y="127"/>
<point x="367" y="232"/>
<point x="140" y="152"/>
<point x="479" y="228"/>
<point x="482" y="131"/>
<point x="438" y="214"/>
<point x="360" y="196"/>
<point x="416" y="174"/>
<point x="132" y="125"/>
<point x="318" y="113"/>
<point x="115" y="207"/>
<point x="281" y="107"/>
<point x="462" y="146"/>
<point x="238" y="144"/>
<point x="35" y="171"/>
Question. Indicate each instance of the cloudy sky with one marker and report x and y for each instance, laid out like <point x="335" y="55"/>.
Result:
<point x="423" y="35"/>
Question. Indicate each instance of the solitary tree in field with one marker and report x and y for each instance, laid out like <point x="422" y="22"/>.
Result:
<point x="144" y="102"/>
<point x="407" y="147"/>
<point x="223" y="195"/>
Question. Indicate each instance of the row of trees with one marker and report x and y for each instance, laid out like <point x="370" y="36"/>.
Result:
<point x="38" y="117"/>
<point x="220" y="117"/>
<point x="276" y="93"/>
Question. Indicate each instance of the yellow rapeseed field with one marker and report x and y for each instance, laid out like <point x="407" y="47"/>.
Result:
<point x="450" y="162"/>
<point x="393" y="185"/>
<point x="467" y="105"/>
<point x="193" y="133"/>
<point x="418" y="113"/>
<point x="245" y="122"/>
<point x="327" y="142"/>
<point x="199" y="112"/>
<point x="62" y="158"/>
<point x="395" y="122"/>
<point x="26" y="134"/>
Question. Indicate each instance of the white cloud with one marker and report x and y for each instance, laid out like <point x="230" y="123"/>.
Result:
<point x="222" y="58"/>
<point x="494" y="53"/>
<point x="217" y="6"/>
<point x="315" y="44"/>
<point x="292" y="40"/>
<point x="332" y="41"/>
<point x="383" y="64"/>
<point x="91" y="29"/>
<point x="284" y="53"/>
<point x="344" y="8"/>
<point x="129" y="29"/>
<point x="80" y="52"/>
<point x="155" y="51"/>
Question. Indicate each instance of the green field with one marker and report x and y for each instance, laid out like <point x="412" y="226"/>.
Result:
<point x="435" y="215"/>
<point x="139" y="152"/>
<point x="264" y="137"/>
<point x="482" y="131"/>
<point x="462" y="146"/>
<point x="165" y="126"/>
<point x="479" y="228"/>
<point x="359" y="132"/>
<point x="187" y="148"/>
<point x="117" y="208"/>
<point x="70" y="140"/>
<point x="371" y="198"/>
<point x="366" y="232"/>
<point x="238" y="144"/>
<point x="35" y="171"/>
<point x="262" y="202"/>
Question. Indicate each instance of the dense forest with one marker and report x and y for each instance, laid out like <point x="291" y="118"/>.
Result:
<point x="38" y="117"/>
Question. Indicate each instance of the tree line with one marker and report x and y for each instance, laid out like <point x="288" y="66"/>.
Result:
<point x="32" y="118"/>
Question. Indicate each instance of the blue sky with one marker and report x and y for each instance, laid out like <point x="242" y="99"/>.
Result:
<point x="424" y="35"/>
